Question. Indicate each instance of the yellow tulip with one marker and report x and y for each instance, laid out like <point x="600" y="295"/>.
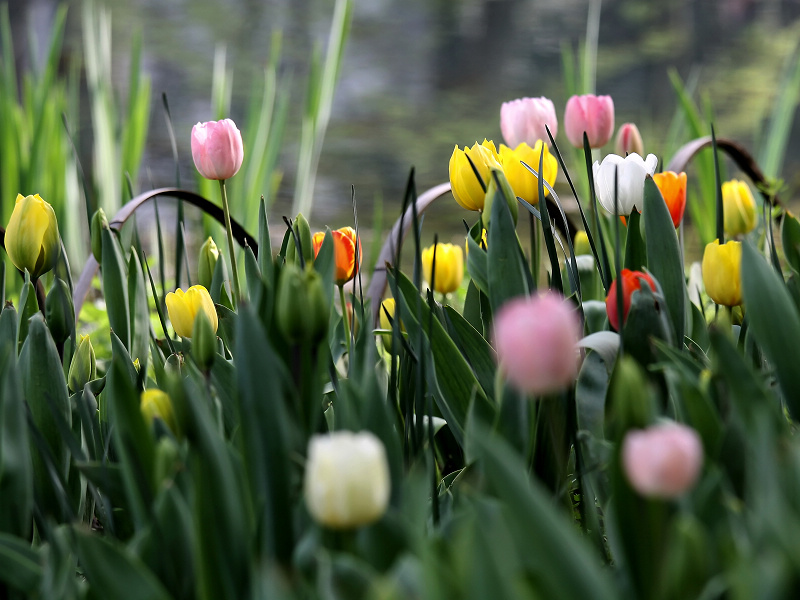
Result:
<point x="449" y="267"/>
<point x="155" y="403"/>
<point x="722" y="272"/>
<point x="32" y="240"/>
<point x="523" y="182"/>
<point x="184" y="306"/>
<point x="466" y="188"/>
<point x="739" y="208"/>
<point x="581" y="243"/>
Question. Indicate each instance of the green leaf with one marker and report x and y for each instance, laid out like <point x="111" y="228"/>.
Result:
<point x="635" y="249"/>
<point x="590" y="394"/>
<point x="790" y="238"/>
<point x="479" y="354"/>
<point x="477" y="265"/>
<point x="115" y="287"/>
<point x="507" y="275"/>
<point x="265" y="263"/>
<point x="472" y="307"/>
<point x="20" y="564"/>
<point x="664" y="256"/>
<point x="140" y="311"/>
<point x="28" y="307"/>
<point x="605" y="344"/>
<point x="774" y="321"/>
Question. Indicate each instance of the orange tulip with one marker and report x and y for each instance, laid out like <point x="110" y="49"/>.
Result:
<point x="673" y="188"/>
<point x="344" y="253"/>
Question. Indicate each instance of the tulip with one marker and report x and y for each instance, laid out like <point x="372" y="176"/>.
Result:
<point x="344" y="253"/>
<point x="673" y="189"/>
<point x="464" y="184"/>
<point x="739" y="208"/>
<point x="207" y="262"/>
<point x="524" y="183"/>
<point x="524" y="120"/>
<point x="631" y="282"/>
<point x="449" y="267"/>
<point x="83" y="367"/>
<point x="536" y="339"/>
<point x="722" y="272"/>
<point x="663" y="461"/>
<point x="629" y="140"/>
<point x="184" y="306"/>
<point x="32" y="241"/>
<point x="630" y="173"/>
<point x="346" y="482"/>
<point x="591" y="114"/>
<point x="301" y="306"/>
<point x="581" y="243"/>
<point x="156" y="404"/>
<point x="217" y="149"/>
<point x="387" y="311"/>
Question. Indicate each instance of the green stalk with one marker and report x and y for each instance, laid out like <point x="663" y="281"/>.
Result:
<point x="346" y="319"/>
<point x="226" y="211"/>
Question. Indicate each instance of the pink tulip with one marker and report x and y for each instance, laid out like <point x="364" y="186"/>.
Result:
<point x="629" y="140"/>
<point x="217" y="149"/>
<point x="663" y="461"/>
<point x="523" y="120"/>
<point x="592" y="114"/>
<point x="536" y="339"/>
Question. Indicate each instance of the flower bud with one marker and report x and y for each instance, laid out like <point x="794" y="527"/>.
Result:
<point x="182" y="308"/>
<point x="217" y="149"/>
<point x="581" y="243"/>
<point x="591" y="114"/>
<point x="387" y="311"/>
<point x="673" y="189"/>
<point x="449" y="267"/>
<point x="83" y="367"/>
<point x="631" y="282"/>
<point x="302" y="232"/>
<point x="524" y="183"/>
<point x="99" y="222"/>
<point x="156" y="404"/>
<point x="464" y="183"/>
<point x="346" y="481"/>
<point x="32" y="242"/>
<point x="663" y="461"/>
<point x="204" y="342"/>
<point x="722" y="272"/>
<point x="524" y="120"/>
<point x="59" y="311"/>
<point x="629" y="140"/>
<point x="536" y="340"/>
<point x="207" y="262"/>
<point x="301" y="306"/>
<point x="738" y="207"/>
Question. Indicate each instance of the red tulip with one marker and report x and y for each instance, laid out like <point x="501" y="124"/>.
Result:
<point x="631" y="281"/>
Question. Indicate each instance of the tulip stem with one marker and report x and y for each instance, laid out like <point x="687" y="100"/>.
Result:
<point x="345" y="319"/>
<point x="227" y="212"/>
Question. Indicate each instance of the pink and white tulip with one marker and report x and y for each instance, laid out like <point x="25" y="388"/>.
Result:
<point x="591" y="114"/>
<point x="629" y="140"/>
<point x="524" y="120"/>
<point x="217" y="149"/>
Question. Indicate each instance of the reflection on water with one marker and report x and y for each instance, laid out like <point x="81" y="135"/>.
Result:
<point x="420" y="76"/>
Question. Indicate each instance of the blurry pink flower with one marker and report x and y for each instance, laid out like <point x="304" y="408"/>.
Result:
<point x="592" y="114"/>
<point x="217" y="149"/>
<point x="536" y="339"/>
<point x="523" y="120"/>
<point x="629" y="140"/>
<point x="663" y="461"/>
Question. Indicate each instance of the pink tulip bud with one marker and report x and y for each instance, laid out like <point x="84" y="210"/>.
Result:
<point x="663" y="461"/>
<point x="592" y="114"/>
<point x="524" y="120"/>
<point x="536" y="342"/>
<point x="217" y="149"/>
<point x="629" y="140"/>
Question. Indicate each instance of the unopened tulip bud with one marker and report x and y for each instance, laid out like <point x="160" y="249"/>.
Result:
<point x="59" y="311"/>
<point x="629" y="140"/>
<point x="31" y="240"/>
<point x="99" y="222"/>
<point x="217" y="149"/>
<point x="83" y="367"/>
<point x="739" y="208"/>
<point x="591" y="114"/>
<point x="581" y="243"/>
<point x="663" y="461"/>
<point x="207" y="262"/>
<point x="536" y="340"/>
<point x="449" y="267"/>
<point x="156" y="404"/>
<point x="346" y="481"/>
<point x="204" y="342"/>
<point x="722" y="272"/>
<point x="302" y="233"/>
<point x="301" y="306"/>
<point x="631" y="282"/>
<point x="630" y="398"/>
<point x="387" y="312"/>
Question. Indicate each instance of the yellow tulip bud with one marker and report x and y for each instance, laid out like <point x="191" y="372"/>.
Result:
<point x="524" y="183"/>
<point x="466" y="188"/>
<point x="32" y="240"/>
<point x="388" y="306"/>
<point x="449" y="267"/>
<point x="739" y="208"/>
<point x="155" y="403"/>
<point x="722" y="272"/>
<point x="83" y="367"/>
<point x="581" y="243"/>
<point x="207" y="262"/>
<point x="182" y="308"/>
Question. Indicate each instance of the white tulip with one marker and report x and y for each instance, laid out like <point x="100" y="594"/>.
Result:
<point x="347" y="479"/>
<point x="631" y="172"/>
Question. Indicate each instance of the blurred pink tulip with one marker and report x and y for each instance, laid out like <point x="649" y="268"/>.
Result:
<point x="663" y="461"/>
<point x="217" y="149"/>
<point x="523" y="120"/>
<point x="629" y="140"/>
<point x="592" y="114"/>
<point x="536" y="339"/>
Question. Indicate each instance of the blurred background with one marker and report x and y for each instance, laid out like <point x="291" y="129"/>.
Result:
<point x="420" y="76"/>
